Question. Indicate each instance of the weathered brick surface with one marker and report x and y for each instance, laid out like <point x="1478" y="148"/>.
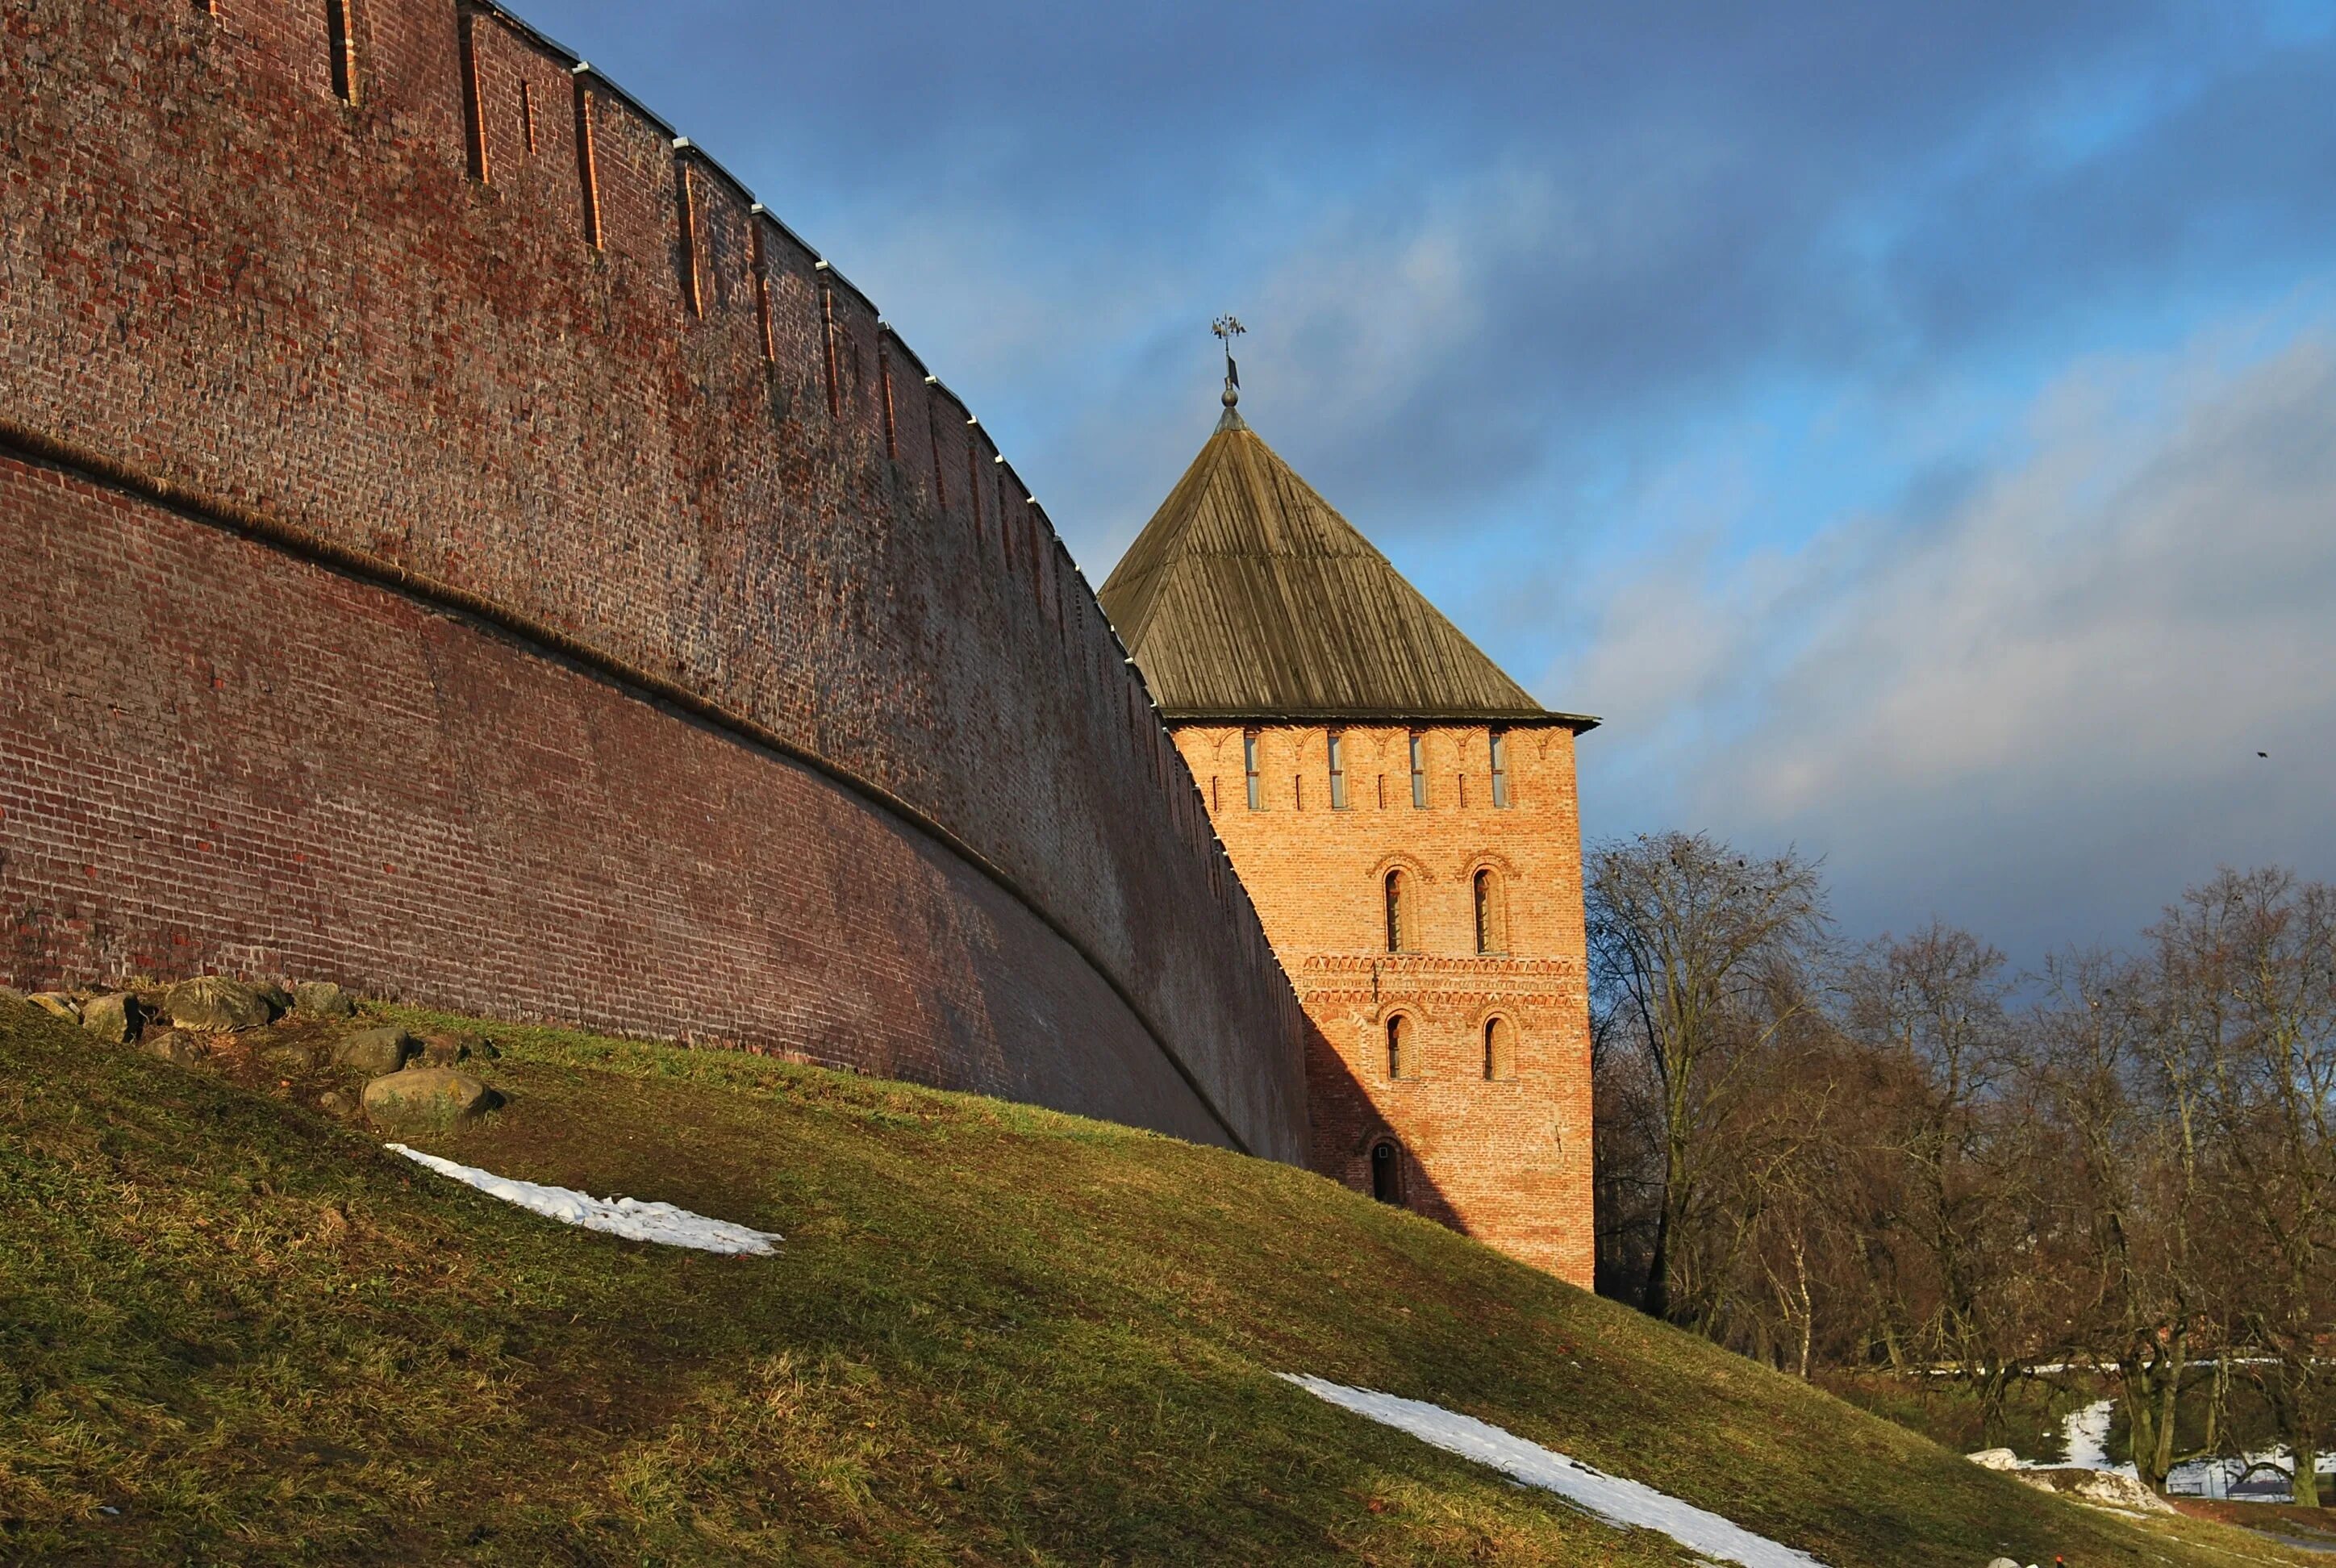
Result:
<point x="216" y="273"/>
<point x="249" y="762"/>
<point x="1506" y="1160"/>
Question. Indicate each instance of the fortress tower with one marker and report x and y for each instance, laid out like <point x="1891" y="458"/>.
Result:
<point x="1403" y="816"/>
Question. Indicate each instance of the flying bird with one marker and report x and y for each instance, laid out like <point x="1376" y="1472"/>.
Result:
<point x="2264" y="754"/>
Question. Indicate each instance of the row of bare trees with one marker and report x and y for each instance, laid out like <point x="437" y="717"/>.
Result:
<point x="1908" y="1156"/>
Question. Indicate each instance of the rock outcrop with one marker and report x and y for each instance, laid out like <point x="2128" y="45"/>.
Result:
<point x="376" y="1051"/>
<point x="426" y="1095"/>
<point x="113" y="1018"/>
<point x="214" y="1003"/>
<point x="322" y="999"/>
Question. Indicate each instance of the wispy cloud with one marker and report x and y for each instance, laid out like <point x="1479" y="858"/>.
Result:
<point x="1828" y="394"/>
<point x="2041" y="711"/>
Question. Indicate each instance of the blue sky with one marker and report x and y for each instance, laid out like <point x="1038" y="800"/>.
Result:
<point x="1912" y="426"/>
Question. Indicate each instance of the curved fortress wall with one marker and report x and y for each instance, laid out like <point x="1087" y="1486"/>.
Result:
<point x="458" y="542"/>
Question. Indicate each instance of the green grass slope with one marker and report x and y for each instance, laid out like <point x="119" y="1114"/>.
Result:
<point x="233" y="1329"/>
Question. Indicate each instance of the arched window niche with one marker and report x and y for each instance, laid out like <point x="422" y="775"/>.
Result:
<point x="1401" y="1061"/>
<point x="1492" y="912"/>
<point x="1500" y="1049"/>
<point x="1402" y="919"/>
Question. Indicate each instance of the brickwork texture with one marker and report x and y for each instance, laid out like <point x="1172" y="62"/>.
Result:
<point x="1495" y="1145"/>
<point x="461" y="543"/>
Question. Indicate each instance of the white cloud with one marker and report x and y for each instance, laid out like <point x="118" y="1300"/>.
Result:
<point x="2041" y="707"/>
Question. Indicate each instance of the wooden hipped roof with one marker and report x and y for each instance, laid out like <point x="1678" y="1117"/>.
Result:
<point x="1247" y="596"/>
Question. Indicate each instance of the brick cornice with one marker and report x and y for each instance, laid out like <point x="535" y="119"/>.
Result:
<point x="1531" y="983"/>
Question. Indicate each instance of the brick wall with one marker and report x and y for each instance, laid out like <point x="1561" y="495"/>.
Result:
<point x="1505" y="1159"/>
<point x="381" y="334"/>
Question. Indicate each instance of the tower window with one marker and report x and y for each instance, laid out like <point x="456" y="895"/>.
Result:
<point x="1419" y="775"/>
<point x="1492" y="924"/>
<point x="474" y="121"/>
<point x="1499" y="1048"/>
<point x="693" y="293"/>
<point x="1338" y="771"/>
<point x="1398" y="1042"/>
<point x="588" y="169"/>
<point x="338" y="39"/>
<point x="1500" y="771"/>
<point x="1398" y="917"/>
<point x="1386" y="1173"/>
<point x="1249" y="764"/>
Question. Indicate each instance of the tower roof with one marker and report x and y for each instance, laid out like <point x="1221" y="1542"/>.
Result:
<point x="1248" y="597"/>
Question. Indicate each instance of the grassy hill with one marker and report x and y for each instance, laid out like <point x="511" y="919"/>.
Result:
<point x="233" y="1329"/>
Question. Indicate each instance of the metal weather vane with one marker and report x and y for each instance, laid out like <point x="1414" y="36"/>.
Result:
<point x="1227" y="328"/>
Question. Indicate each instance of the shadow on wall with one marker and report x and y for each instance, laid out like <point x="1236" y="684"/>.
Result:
<point x="1356" y="1147"/>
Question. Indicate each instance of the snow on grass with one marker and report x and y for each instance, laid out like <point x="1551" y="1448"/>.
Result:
<point x="1612" y="1498"/>
<point x="2086" y="1434"/>
<point x="627" y="1217"/>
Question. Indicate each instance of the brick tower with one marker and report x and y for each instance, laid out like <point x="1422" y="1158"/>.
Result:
<point x="1403" y="816"/>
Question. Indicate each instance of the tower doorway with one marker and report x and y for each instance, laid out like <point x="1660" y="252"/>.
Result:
<point x="1386" y="1173"/>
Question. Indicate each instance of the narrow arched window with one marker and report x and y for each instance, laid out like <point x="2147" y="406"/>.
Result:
<point x="1500" y="771"/>
<point x="1491" y="927"/>
<point x="1499" y="1048"/>
<point x="1249" y="763"/>
<point x="1386" y="1173"/>
<point x="1398" y="916"/>
<point x="340" y="40"/>
<point x="1398" y="1033"/>
<point x="1419" y="774"/>
<point x="1338" y="772"/>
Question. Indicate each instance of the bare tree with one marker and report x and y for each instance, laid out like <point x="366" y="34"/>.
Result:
<point x="1780" y="1215"/>
<point x="2252" y="955"/>
<point x="1935" y="1000"/>
<point x="1627" y="1138"/>
<point x="2119" y="1080"/>
<point x="1699" y="956"/>
<point x="2137" y="1170"/>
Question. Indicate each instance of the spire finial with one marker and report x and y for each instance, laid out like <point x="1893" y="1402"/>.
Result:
<point x="1227" y="328"/>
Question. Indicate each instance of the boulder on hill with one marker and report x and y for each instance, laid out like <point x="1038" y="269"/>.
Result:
<point x="278" y="999"/>
<point x="214" y="1003"/>
<point x="176" y="1046"/>
<point x="58" y="1003"/>
<point x="291" y="1056"/>
<point x="113" y="1018"/>
<point x="382" y="1050"/>
<point x="1995" y="1459"/>
<point x="426" y="1095"/>
<point x="322" y="999"/>
<point x="444" y="1048"/>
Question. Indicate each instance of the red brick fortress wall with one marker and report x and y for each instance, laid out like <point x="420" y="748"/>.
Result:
<point x="459" y="481"/>
<point x="1506" y="1158"/>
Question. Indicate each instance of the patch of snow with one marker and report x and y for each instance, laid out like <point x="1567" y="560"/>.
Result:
<point x="2087" y="1435"/>
<point x="627" y="1217"/>
<point x="2086" y="1432"/>
<point x="1612" y="1498"/>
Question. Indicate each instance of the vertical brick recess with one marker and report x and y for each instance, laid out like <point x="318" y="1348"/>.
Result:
<point x="373" y="506"/>
<point x="1505" y="1159"/>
